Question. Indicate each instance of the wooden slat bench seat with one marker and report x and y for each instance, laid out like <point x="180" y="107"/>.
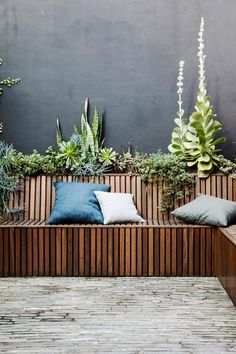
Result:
<point x="225" y="248"/>
<point x="31" y="248"/>
<point x="163" y="246"/>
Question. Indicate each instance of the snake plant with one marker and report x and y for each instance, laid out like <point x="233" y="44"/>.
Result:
<point x="90" y="137"/>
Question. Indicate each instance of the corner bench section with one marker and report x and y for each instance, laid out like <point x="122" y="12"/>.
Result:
<point x="31" y="248"/>
<point x="225" y="259"/>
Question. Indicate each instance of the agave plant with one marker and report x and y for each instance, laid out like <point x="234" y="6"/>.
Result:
<point x="200" y="143"/>
<point x="90" y="137"/>
<point x="178" y="135"/>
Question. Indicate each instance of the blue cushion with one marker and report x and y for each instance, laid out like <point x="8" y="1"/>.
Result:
<point x="76" y="202"/>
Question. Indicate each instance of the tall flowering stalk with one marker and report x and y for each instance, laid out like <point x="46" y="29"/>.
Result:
<point x="198" y="144"/>
<point x="201" y="58"/>
<point x="178" y="135"/>
<point x="202" y="129"/>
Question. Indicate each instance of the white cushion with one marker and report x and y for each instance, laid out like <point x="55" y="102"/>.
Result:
<point x="118" y="208"/>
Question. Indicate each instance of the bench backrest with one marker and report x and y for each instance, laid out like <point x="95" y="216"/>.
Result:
<point x="37" y="193"/>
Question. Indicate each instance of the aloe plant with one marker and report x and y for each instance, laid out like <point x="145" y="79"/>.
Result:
<point x="178" y="135"/>
<point x="90" y="137"/>
<point x="200" y="142"/>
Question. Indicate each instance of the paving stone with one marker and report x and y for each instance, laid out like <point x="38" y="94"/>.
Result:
<point x="115" y="315"/>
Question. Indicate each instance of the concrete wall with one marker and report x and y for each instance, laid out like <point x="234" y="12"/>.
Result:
<point x="124" y="55"/>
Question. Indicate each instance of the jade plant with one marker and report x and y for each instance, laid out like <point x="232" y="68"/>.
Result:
<point x="8" y="82"/>
<point x="198" y="143"/>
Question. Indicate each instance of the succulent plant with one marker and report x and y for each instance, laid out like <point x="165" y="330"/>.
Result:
<point x="69" y="153"/>
<point x="107" y="156"/>
<point x="90" y="137"/>
<point x="200" y="141"/>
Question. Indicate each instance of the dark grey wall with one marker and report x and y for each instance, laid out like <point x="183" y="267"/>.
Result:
<point x="124" y="55"/>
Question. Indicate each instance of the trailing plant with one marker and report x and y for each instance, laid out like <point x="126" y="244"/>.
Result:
<point x="8" y="183"/>
<point x="169" y="172"/>
<point x="90" y="137"/>
<point x="179" y="133"/>
<point x="227" y="167"/>
<point x="26" y="164"/>
<point x="51" y="164"/>
<point x="8" y="82"/>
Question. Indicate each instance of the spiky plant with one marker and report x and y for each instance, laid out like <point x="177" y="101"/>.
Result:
<point x="8" y="183"/>
<point x="200" y="143"/>
<point x="90" y="137"/>
<point x="178" y="135"/>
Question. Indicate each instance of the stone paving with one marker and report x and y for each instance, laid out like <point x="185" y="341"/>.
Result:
<point x="115" y="315"/>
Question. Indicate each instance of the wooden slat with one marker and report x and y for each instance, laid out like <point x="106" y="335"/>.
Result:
<point x="127" y="251"/>
<point x="93" y="252"/>
<point x="41" y="253"/>
<point x="58" y="252"/>
<point x="23" y="252"/>
<point x="133" y="252"/>
<point x="104" y="253"/>
<point x="64" y="251"/>
<point x="76" y="256"/>
<point x="81" y="252"/>
<point x="98" y="252"/>
<point x="110" y="252"/>
<point x="87" y="252"/>
<point x="11" y="253"/>
<point x="17" y="252"/>
<point x="47" y="252"/>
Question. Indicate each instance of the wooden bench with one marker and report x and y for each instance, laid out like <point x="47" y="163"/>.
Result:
<point x="225" y="265"/>
<point x="161" y="247"/>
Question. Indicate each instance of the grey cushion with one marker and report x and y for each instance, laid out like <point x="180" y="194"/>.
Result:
<point x="207" y="210"/>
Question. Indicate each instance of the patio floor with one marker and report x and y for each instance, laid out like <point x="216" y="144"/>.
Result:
<point x="131" y="315"/>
